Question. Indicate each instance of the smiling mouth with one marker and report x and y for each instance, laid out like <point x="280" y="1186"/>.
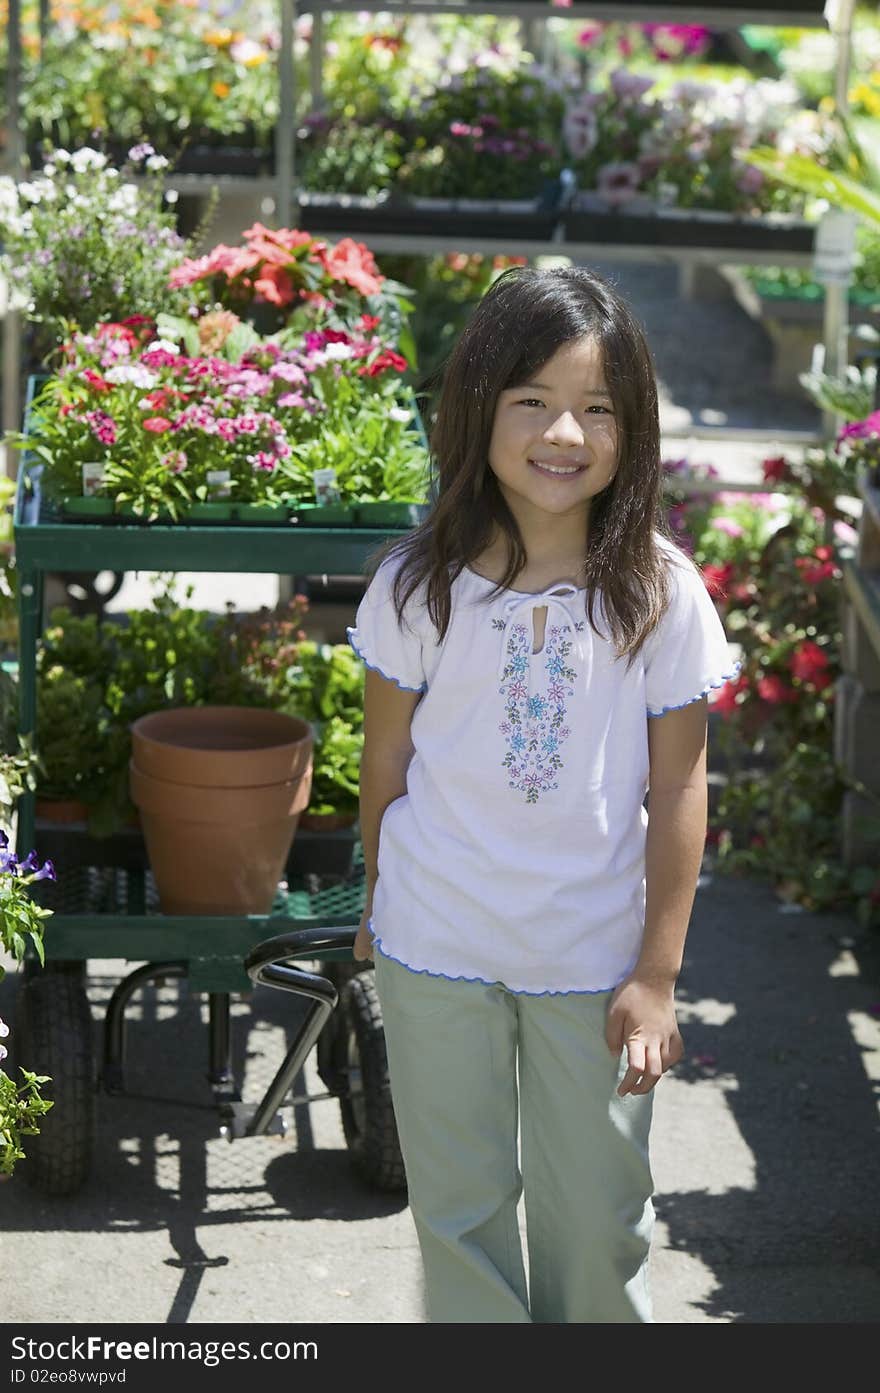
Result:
<point x="557" y="471"/>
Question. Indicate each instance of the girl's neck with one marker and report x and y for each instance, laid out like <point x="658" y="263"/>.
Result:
<point x="548" y="558"/>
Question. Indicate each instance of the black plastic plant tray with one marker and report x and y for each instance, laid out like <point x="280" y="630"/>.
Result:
<point x="687" y="228"/>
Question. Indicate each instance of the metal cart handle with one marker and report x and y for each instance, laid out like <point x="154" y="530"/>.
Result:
<point x="267" y="963"/>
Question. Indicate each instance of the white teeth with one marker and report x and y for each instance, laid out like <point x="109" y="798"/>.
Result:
<point x="555" y="469"/>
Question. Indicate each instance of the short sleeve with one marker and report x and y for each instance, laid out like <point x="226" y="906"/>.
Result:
<point x="687" y="654"/>
<point x="389" y="647"/>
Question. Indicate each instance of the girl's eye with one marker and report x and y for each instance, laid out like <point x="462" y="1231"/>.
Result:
<point x="530" y="401"/>
<point x="598" y="407"/>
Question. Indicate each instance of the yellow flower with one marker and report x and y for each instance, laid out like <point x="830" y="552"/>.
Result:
<point x="220" y="89"/>
<point x="220" y="38"/>
<point x="255" y="60"/>
<point x="867" y="97"/>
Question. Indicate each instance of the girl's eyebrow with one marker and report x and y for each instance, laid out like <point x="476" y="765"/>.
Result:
<point x="543" y="387"/>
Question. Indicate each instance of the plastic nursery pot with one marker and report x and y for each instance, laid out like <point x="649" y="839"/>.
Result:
<point x="126" y="512"/>
<point x="389" y="514"/>
<point x="252" y="513"/>
<point x="208" y="512"/>
<point x="88" y="508"/>
<point x="325" y="514"/>
<point x="220" y="792"/>
<point x="324" y="845"/>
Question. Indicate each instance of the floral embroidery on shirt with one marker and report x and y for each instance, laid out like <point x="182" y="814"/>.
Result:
<point x="534" y="726"/>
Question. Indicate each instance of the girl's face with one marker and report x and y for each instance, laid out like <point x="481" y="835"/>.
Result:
<point x="554" y="438"/>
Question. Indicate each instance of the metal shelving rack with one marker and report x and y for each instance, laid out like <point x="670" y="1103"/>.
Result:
<point x="836" y="14"/>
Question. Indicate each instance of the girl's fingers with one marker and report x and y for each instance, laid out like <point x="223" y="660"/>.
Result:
<point x="635" y="1050"/>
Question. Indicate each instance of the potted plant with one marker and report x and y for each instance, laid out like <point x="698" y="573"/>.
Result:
<point x="670" y="166"/>
<point x="55" y="229"/>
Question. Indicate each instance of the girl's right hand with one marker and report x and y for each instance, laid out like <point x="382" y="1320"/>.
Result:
<point x="363" y="944"/>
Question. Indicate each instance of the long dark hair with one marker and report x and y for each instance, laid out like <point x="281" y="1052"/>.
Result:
<point x="523" y="319"/>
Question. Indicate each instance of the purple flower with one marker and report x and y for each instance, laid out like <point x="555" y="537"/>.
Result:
<point x="618" y="182"/>
<point x="8" y="863"/>
<point x="46" y="872"/>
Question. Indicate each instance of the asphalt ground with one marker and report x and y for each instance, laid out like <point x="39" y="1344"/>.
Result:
<point x="764" y="1145"/>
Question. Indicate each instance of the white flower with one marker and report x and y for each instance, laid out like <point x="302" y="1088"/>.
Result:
<point x="245" y="50"/>
<point x="61" y="156"/>
<point x="32" y="192"/>
<point x="338" y="352"/>
<point x="156" y="162"/>
<point x="134" y="373"/>
<point x="86" y="159"/>
<point x="161" y="343"/>
<point x="399" y="413"/>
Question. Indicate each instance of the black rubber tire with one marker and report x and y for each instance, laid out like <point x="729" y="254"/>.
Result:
<point x="53" y="1035"/>
<point x="368" y="1122"/>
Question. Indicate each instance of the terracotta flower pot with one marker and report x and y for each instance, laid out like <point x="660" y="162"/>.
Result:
<point x="220" y="792"/>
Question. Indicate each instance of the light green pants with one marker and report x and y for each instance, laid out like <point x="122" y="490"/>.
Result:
<point x="453" y="1048"/>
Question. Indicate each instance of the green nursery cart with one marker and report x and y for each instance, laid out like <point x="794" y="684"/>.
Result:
<point x="105" y="907"/>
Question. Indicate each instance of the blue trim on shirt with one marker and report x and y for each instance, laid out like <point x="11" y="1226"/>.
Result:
<point x="387" y="675"/>
<point x="720" y="683"/>
<point x="482" y="981"/>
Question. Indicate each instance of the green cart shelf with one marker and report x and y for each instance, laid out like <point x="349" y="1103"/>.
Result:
<point x="107" y="910"/>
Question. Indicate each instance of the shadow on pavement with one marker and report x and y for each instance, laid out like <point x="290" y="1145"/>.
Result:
<point x="804" y="1243"/>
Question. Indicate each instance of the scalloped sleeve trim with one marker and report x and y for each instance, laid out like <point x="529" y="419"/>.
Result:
<point x="375" y="667"/>
<point x="725" y="677"/>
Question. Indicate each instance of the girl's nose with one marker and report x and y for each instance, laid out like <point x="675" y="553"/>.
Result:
<point x="565" y="430"/>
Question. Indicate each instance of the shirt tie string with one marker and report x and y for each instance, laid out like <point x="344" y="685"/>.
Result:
<point x="556" y="597"/>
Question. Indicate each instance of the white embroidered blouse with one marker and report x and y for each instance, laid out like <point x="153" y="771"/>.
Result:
<point x="517" y="853"/>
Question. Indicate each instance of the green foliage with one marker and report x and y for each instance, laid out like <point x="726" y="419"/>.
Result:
<point x="95" y="680"/>
<point x="21" y="1105"/>
<point x="773" y="567"/>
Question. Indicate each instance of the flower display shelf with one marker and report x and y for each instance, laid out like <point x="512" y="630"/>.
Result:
<point x="398" y="213"/>
<point x="104" y="900"/>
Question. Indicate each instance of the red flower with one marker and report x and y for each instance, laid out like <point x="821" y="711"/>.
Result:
<point x="824" y="553"/>
<point x="772" y="689"/>
<point x="717" y="578"/>
<point x="775" y="469"/>
<point x="725" y="702"/>
<point x="157" y="399"/>
<point x="275" y="285"/>
<point x="96" y="381"/>
<point x="386" y="359"/>
<point x="812" y="574"/>
<point x="157" y="424"/>
<point x="352" y="262"/>
<point x="809" y="663"/>
<point x="369" y="322"/>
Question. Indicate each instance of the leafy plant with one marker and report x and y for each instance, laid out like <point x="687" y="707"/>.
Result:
<point x="21" y="1105"/>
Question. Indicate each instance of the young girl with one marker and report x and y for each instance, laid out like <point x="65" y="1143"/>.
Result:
<point x="539" y="651"/>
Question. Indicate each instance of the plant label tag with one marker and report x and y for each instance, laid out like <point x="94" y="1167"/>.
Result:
<point x="218" y="481"/>
<point x="326" y="488"/>
<point x="92" y="478"/>
<point x="834" y="254"/>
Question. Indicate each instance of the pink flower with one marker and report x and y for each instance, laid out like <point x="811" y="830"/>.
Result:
<point x="618" y="182"/>
<point x="175" y="460"/>
<point x="248" y="424"/>
<point x="727" y="525"/>
<point x="225" y="428"/>
<point x="292" y="399"/>
<point x="861" y="430"/>
<point x="102" y="426"/>
<point x="158" y="358"/>
<point x="156" y="424"/>
<point x="263" y="460"/>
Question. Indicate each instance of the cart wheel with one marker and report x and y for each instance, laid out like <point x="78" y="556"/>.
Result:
<point x="53" y="1035"/>
<point x="368" y="1116"/>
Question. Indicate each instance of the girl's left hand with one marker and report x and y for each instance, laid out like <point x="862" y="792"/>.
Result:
<point x="641" y="1017"/>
